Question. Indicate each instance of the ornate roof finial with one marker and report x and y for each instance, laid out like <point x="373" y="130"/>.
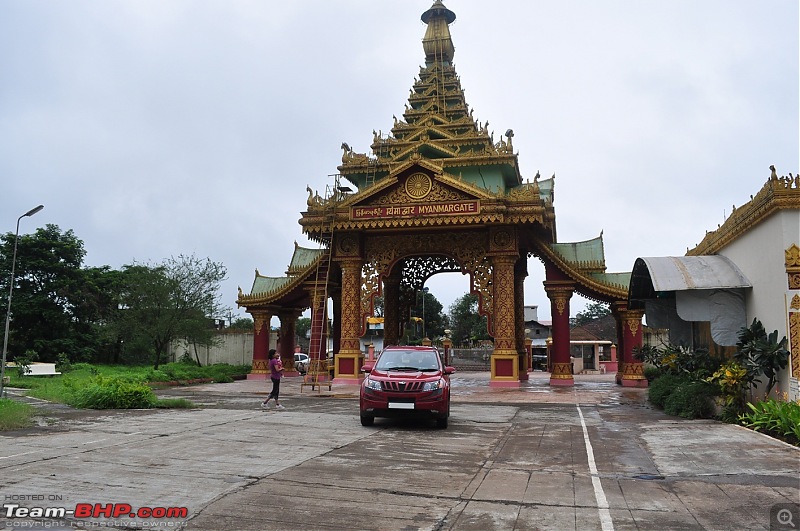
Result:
<point x="437" y="43"/>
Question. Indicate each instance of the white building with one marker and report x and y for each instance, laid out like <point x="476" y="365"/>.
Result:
<point x="749" y="268"/>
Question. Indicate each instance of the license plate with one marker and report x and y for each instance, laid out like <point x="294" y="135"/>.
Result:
<point x="401" y="405"/>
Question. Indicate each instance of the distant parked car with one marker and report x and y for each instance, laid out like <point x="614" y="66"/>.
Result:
<point x="540" y="362"/>
<point x="301" y="362"/>
<point x="406" y="381"/>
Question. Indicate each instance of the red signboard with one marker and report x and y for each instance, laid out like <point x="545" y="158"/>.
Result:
<point x="447" y="208"/>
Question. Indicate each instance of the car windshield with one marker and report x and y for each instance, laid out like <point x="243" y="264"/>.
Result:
<point x="408" y="360"/>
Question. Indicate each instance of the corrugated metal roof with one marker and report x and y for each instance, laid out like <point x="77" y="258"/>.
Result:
<point x="677" y="273"/>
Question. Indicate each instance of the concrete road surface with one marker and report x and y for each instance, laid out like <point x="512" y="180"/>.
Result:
<point x="595" y="456"/>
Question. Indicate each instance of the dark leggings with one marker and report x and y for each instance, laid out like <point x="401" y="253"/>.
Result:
<point x="276" y="387"/>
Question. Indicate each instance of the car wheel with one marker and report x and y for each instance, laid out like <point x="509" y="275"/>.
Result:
<point x="441" y="423"/>
<point x="367" y="420"/>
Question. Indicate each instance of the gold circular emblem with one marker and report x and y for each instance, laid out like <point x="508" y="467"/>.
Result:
<point x="502" y="239"/>
<point x="418" y="185"/>
<point x="347" y="245"/>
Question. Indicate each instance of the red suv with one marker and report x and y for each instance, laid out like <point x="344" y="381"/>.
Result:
<point x="406" y="381"/>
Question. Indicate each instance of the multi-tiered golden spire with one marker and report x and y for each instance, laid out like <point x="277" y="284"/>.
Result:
<point x="438" y="126"/>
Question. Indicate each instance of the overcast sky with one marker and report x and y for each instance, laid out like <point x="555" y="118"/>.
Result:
<point x="159" y="128"/>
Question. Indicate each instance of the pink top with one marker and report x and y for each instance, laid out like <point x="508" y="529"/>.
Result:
<point x="276" y="368"/>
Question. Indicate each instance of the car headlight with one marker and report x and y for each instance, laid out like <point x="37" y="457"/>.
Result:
<point x="375" y="385"/>
<point x="433" y="386"/>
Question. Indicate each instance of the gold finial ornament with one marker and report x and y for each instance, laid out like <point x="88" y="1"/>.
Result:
<point x="437" y="43"/>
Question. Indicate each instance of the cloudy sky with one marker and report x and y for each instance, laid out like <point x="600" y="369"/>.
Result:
<point x="157" y="128"/>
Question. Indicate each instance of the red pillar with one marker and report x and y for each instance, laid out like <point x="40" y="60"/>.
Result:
<point x="632" y="369"/>
<point x="261" y="329"/>
<point x="286" y="341"/>
<point x="559" y="290"/>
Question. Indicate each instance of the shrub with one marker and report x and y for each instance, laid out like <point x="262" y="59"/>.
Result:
<point x="62" y="363"/>
<point x="651" y="373"/>
<point x="731" y="380"/>
<point x="663" y="386"/>
<point x="104" y="392"/>
<point x="691" y="400"/>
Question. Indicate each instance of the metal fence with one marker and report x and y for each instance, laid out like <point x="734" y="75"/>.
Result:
<point x="471" y="359"/>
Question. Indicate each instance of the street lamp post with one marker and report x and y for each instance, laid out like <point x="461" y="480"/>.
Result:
<point x="10" y="291"/>
<point x="424" y="291"/>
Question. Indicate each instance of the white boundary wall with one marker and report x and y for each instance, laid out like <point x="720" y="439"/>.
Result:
<point x="233" y="348"/>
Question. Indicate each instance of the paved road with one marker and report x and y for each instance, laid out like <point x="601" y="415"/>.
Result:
<point x="591" y="457"/>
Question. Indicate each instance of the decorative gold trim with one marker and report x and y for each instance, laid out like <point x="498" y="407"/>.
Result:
<point x="792" y="257"/>
<point x="795" y="304"/>
<point x="613" y="291"/>
<point x="561" y="371"/>
<point x="779" y="193"/>
<point x="260" y="367"/>
<point x="633" y="371"/>
<point x="794" y="342"/>
<point x="793" y="266"/>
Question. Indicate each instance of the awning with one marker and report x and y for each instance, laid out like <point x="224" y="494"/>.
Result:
<point x="696" y="288"/>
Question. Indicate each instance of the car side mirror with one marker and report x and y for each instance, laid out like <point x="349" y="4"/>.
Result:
<point x="367" y="367"/>
<point x="449" y="370"/>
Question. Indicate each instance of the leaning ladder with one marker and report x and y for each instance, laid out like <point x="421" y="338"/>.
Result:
<point x="318" y="373"/>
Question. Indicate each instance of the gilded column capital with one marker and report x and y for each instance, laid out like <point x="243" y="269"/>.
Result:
<point x="559" y="292"/>
<point x="632" y="319"/>
<point x="260" y="317"/>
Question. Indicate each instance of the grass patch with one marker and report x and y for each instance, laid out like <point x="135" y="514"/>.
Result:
<point x="174" y="403"/>
<point x="120" y="386"/>
<point x="15" y="415"/>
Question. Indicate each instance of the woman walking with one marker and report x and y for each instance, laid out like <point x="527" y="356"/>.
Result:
<point x="275" y="373"/>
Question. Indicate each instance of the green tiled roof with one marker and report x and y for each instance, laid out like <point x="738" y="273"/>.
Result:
<point x="584" y="255"/>
<point x="303" y="257"/>
<point x="622" y="280"/>
<point x="268" y="284"/>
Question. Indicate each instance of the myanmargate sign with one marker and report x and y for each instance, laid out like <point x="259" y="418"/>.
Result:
<point x="447" y="208"/>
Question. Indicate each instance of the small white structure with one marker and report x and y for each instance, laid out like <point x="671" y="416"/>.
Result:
<point x="41" y="369"/>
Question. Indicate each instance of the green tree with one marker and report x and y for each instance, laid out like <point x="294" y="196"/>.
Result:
<point x="466" y="324"/>
<point x="243" y="323"/>
<point x="594" y="310"/>
<point x="435" y="320"/>
<point x="302" y="326"/>
<point x="160" y="303"/>
<point x="58" y="305"/>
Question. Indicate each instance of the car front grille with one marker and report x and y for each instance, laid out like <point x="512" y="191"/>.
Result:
<point x="402" y="386"/>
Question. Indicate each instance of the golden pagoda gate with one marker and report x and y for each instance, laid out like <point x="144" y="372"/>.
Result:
<point x="438" y="194"/>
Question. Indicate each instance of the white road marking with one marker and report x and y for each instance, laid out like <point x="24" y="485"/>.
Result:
<point x="602" y="503"/>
